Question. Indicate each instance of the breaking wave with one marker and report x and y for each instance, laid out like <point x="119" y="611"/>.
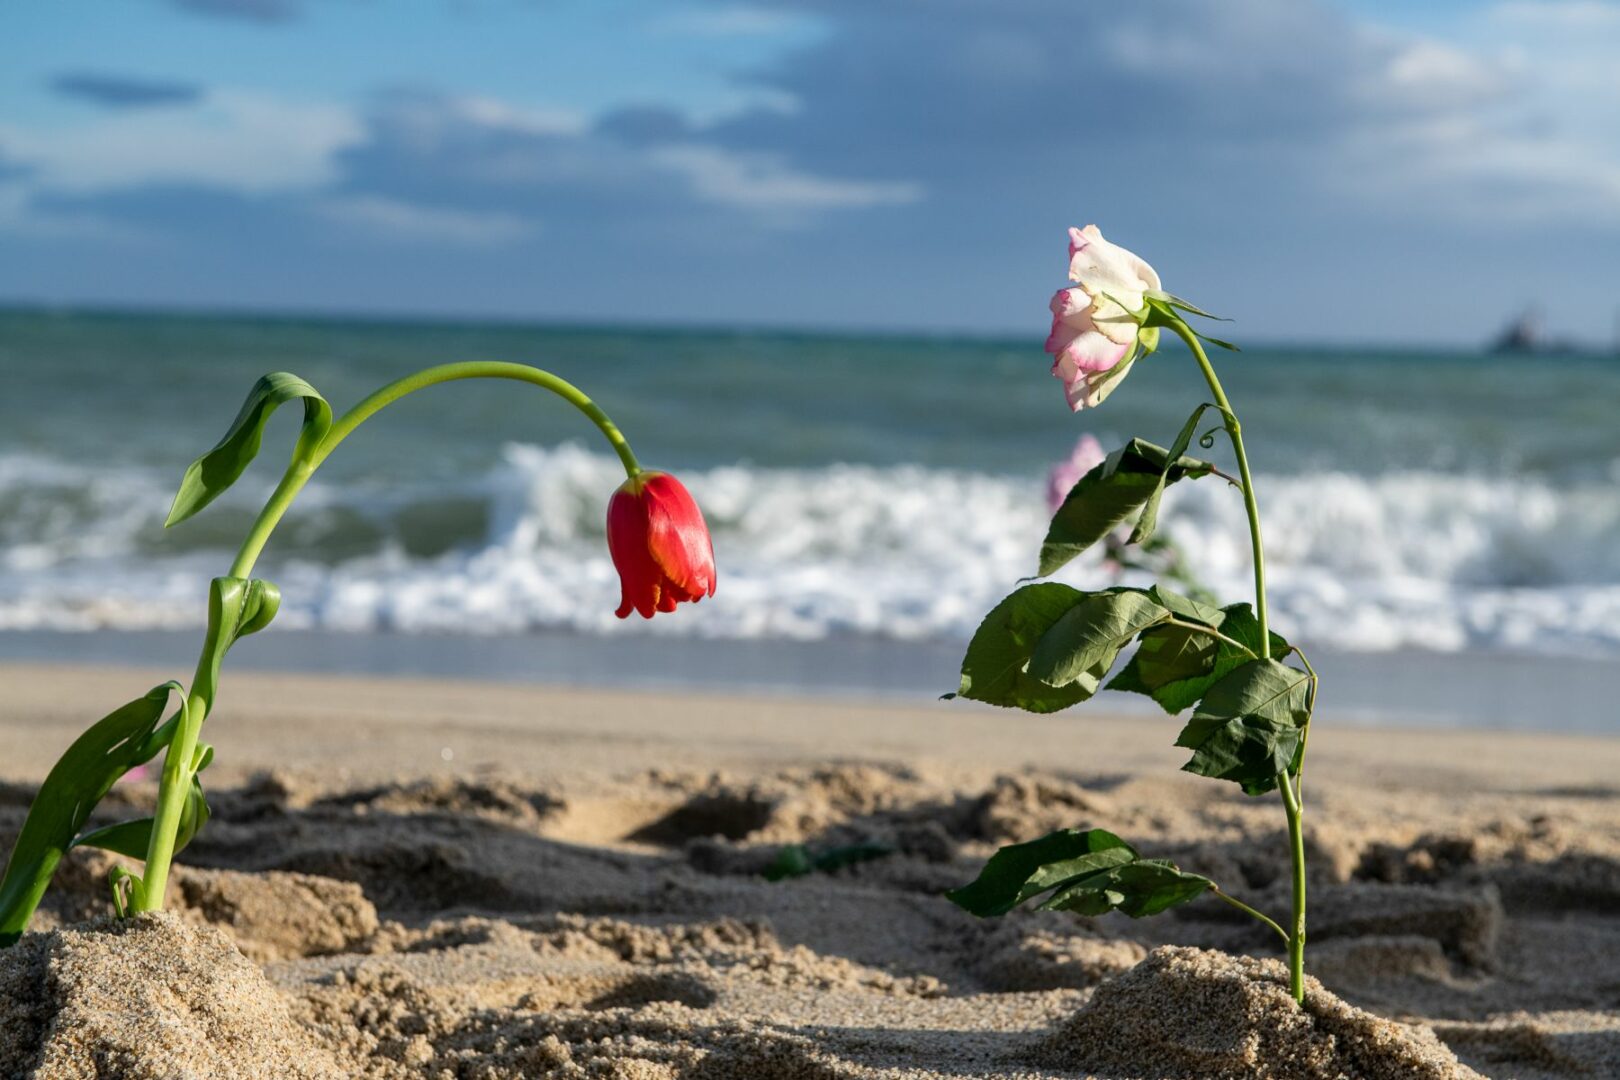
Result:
<point x="1398" y="560"/>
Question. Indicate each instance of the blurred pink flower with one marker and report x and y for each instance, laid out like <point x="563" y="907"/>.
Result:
<point x="1091" y="331"/>
<point x="1086" y="455"/>
<point x="137" y="774"/>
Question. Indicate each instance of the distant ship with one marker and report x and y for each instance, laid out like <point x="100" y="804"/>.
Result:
<point x="1525" y="335"/>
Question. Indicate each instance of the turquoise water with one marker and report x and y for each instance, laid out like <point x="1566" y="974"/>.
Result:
<point x="858" y="486"/>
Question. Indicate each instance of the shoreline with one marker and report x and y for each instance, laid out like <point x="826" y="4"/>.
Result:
<point x="1403" y="689"/>
<point x="364" y="725"/>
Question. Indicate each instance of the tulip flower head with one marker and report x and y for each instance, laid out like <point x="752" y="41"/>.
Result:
<point x="659" y="544"/>
<point x="1096" y="334"/>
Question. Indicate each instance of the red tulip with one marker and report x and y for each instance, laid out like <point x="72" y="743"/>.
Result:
<point x="659" y="544"/>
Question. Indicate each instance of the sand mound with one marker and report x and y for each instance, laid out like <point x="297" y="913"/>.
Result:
<point x="500" y="926"/>
<point x="1466" y="924"/>
<point x="278" y="916"/>
<point x="149" y="998"/>
<point x="1205" y="1015"/>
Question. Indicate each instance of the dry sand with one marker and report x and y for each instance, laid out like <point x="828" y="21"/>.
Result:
<point x="431" y="879"/>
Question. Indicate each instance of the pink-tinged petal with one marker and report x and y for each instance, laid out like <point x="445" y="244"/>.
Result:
<point x="1088" y="389"/>
<point x="1071" y="317"/>
<point x="1072" y="305"/>
<point x="1079" y="238"/>
<point x="1092" y="352"/>
<point x="1111" y="276"/>
<point x="1061" y="337"/>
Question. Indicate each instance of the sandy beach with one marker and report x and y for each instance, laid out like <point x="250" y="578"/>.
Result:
<point x="431" y="878"/>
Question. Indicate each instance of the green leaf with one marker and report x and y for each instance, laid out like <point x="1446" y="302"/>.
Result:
<point x="1108" y="495"/>
<point x="996" y="667"/>
<point x="1082" y="645"/>
<point x="134" y="838"/>
<point x="795" y="860"/>
<point x="219" y="468"/>
<point x="1176" y="665"/>
<point x="1140" y="888"/>
<point x="1185" y="608"/>
<point x="1090" y="872"/>
<point x="1149" y="519"/>
<point x="115" y="744"/>
<point x="1250" y="725"/>
<point x="1020" y="871"/>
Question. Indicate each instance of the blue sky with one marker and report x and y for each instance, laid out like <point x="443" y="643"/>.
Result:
<point x="1374" y="170"/>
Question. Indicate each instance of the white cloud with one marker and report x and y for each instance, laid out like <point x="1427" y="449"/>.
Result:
<point x="764" y="182"/>
<point x="241" y="142"/>
<point x="395" y="219"/>
<point x="425" y="118"/>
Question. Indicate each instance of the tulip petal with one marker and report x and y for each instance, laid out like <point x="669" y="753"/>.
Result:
<point x="659" y="544"/>
<point x="678" y="539"/>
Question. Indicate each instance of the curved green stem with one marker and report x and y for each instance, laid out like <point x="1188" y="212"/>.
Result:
<point x="1235" y="431"/>
<point x="148" y="894"/>
<point x="1241" y="906"/>
<point x="299" y="472"/>
<point x="1291" y="800"/>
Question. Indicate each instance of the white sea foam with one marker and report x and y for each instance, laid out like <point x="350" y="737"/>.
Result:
<point x="1414" y="559"/>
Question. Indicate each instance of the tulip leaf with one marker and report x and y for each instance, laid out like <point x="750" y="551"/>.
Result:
<point x="218" y="469"/>
<point x="1084" y="642"/>
<point x="1250" y="726"/>
<point x="115" y="744"/>
<point x="1108" y="495"/>
<point x="1089" y="871"/>
<point x="237" y="607"/>
<point x="996" y="667"/>
<point x="1148" y="520"/>
<point x="134" y="838"/>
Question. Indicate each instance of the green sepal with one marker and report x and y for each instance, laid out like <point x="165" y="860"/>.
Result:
<point x="1250" y="726"/>
<point x="218" y="469"/>
<point x="1217" y="342"/>
<point x="995" y="669"/>
<point x="1109" y="494"/>
<point x="1171" y="300"/>
<point x="1089" y="871"/>
<point x="85" y="773"/>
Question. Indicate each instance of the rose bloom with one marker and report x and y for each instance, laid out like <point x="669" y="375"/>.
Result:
<point x="659" y="544"/>
<point x="1091" y="332"/>
<point x="1086" y="455"/>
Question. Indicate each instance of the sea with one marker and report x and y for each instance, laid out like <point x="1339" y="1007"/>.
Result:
<point x="1442" y="527"/>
